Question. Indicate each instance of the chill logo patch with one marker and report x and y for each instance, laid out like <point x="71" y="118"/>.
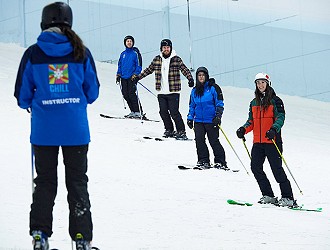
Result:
<point x="58" y="75"/>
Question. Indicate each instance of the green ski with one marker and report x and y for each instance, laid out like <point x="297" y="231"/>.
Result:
<point x="301" y="208"/>
<point x="296" y="208"/>
<point x="238" y="202"/>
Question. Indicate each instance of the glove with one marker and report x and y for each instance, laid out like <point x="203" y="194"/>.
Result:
<point x="134" y="78"/>
<point x="191" y="83"/>
<point x="240" y="132"/>
<point x="270" y="134"/>
<point x="190" y="124"/>
<point x="216" y="121"/>
<point x="117" y="79"/>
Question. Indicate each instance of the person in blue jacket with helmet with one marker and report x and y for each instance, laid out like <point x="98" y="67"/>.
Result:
<point x="205" y="111"/>
<point x="129" y="67"/>
<point x="56" y="80"/>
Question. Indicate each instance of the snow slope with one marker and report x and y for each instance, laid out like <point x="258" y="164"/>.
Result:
<point x="140" y="200"/>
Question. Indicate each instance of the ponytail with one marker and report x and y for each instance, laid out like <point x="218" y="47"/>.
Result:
<point x="77" y="43"/>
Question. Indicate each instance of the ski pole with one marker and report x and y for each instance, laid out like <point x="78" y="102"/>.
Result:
<point x="190" y="44"/>
<point x="122" y="97"/>
<point x="139" y="104"/>
<point x="32" y="167"/>
<point x="243" y="140"/>
<point x="278" y="150"/>
<point x="147" y="89"/>
<point x="233" y="148"/>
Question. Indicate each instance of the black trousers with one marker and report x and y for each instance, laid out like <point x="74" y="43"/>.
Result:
<point x="202" y="129"/>
<point x="169" y="108"/>
<point x="128" y="90"/>
<point x="75" y="161"/>
<point x="259" y="153"/>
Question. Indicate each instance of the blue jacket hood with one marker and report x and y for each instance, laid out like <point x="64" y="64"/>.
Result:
<point x="54" y="44"/>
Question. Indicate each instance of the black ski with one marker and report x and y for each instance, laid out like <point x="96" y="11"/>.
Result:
<point x="93" y="248"/>
<point x="121" y="117"/>
<point x="182" y="167"/>
<point x="164" y="138"/>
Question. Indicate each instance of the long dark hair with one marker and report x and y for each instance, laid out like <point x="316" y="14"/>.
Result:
<point x="264" y="99"/>
<point x="77" y="44"/>
<point x="199" y="89"/>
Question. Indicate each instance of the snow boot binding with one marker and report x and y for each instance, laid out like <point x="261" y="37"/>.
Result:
<point x="220" y="166"/>
<point x="268" y="200"/>
<point x="82" y="244"/>
<point x="169" y="133"/>
<point x="181" y="135"/>
<point x="40" y="241"/>
<point x="287" y="202"/>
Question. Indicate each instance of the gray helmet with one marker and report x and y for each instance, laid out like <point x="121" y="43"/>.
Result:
<point x="54" y="14"/>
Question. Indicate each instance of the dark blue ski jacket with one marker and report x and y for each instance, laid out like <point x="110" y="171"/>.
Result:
<point x="204" y="108"/>
<point x="57" y="89"/>
<point x="129" y="63"/>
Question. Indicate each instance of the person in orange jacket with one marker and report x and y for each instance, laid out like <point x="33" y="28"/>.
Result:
<point x="266" y="118"/>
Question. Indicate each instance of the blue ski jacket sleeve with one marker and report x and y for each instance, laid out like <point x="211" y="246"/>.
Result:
<point x="204" y="108"/>
<point x="57" y="88"/>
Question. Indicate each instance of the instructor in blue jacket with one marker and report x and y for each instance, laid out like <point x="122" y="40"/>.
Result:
<point x="56" y="80"/>
<point x="205" y="112"/>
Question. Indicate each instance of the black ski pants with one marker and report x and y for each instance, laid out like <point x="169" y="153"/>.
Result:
<point x="128" y="90"/>
<point x="202" y="129"/>
<point x="169" y="108"/>
<point x="259" y="153"/>
<point x="75" y="161"/>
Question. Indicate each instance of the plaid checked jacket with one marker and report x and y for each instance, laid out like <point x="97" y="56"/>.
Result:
<point x="174" y="81"/>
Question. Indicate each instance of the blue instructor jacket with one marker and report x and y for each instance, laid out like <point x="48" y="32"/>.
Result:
<point x="57" y="89"/>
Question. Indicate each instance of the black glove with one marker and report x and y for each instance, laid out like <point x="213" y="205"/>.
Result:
<point x="117" y="79"/>
<point x="134" y="78"/>
<point x="191" y="83"/>
<point x="240" y="132"/>
<point x="216" y="121"/>
<point x="190" y="124"/>
<point x="270" y="134"/>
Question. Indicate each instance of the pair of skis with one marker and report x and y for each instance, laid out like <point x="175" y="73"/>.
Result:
<point x="128" y="118"/>
<point x="295" y="208"/>
<point x="182" y="167"/>
<point x="164" y="138"/>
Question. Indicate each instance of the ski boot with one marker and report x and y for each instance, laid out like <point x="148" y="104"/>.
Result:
<point x="268" y="200"/>
<point x="169" y="133"/>
<point x="82" y="244"/>
<point x="181" y="135"/>
<point x="218" y="165"/>
<point x="40" y="241"/>
<point x="287" y="202"/>
<point x="202" y="165"/>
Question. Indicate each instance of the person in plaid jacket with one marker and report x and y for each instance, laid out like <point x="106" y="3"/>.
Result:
<point x="167" y="67"/>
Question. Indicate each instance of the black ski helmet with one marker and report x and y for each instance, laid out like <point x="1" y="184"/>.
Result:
<point x="56" y="13"/>
<point x="165" y="42"/>
<point x="129" y="37"/>
<point x="206" y="72"/>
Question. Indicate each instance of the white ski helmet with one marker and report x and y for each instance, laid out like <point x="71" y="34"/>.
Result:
<point x="262" y="76"/>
